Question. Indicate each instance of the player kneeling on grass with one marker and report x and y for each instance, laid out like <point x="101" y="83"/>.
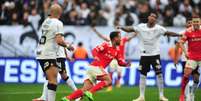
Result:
<point x="193" y="38"/>
<point x="103" y="54"/>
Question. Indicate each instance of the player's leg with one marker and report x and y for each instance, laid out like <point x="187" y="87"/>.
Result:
<point x="51" y="73"/>
<point x="196" y="76"/>
<point x="64" y="75"/>
<point x="144" y="68"/>
<point x="80" y="92"/>
<point x="156" y="64"/>
<point x="111" y="72"/>
<point x="187" y="72"/>
<point x="187" y="89"/>
<point x="119" y="71"/>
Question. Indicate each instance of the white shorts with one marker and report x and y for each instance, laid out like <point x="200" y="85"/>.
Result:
<point x="193" y="64"/>
<point x="94" y="72"/>
<point x="114" y="66"/>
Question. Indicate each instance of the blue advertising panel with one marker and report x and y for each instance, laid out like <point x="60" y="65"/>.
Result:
<point x="27" y="70"/>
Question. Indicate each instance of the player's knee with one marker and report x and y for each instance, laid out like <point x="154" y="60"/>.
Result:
<point x="51" y="86"/>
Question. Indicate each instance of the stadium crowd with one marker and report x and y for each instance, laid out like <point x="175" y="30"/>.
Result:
<point x="99" y="12"/>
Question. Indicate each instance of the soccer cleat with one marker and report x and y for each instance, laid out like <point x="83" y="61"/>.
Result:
<point x="89" y="95"/>
<point x="109" y="89"/>
<point x="38" y="99"/>
<point x="139" y="99"/>
<point x="163" y="98"/>
<point x="64" y="99"/>
<point x="182" y="98"/>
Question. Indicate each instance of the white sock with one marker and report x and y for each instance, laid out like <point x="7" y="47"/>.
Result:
<point x="142" y="85"/>
<point x="71" y="84"/>
<point x="194" y="87"/>
<point x="51" y="95"/>
<point x="44" y="93"/>
<point x="187" y="90"/>
<point x="160" y="84"/>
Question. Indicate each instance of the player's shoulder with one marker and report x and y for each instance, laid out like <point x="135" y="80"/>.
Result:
<point x="57" y="22"/>
<point x="159" y="26"/>
<point x="142" y="25"/>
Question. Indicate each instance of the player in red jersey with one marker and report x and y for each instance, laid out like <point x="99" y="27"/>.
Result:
<point x="103" y="54"/>
<point x="193" y="37"/>
<point x="189" y="93"/>
<point x="114" y="67"/>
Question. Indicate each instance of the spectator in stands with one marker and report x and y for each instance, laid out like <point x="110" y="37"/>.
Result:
<point x="144" y="11"/>
<point x="168" y="17"/>
<point x="14" y="19"/>
<point x="179" y="20"/>
<point x="80" y="52"/>
<point x="34" y="18"/>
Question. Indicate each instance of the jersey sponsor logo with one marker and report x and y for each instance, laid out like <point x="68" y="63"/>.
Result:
<point x="195" y="39"/>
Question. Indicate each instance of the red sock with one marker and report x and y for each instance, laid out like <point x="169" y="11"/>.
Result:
<point x="98" y="86"/>
<point x="76" y="94"/>
<point x="183" y="84"/>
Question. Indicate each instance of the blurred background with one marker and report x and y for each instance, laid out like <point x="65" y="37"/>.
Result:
<point x="20" y="22"/>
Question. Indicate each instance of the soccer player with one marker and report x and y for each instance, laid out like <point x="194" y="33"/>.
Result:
<point x="103" y="54"/>
<point x="149" y="40"/>
<point x="193" y="38"/>
<point x="51" y="39"/>
<point x="114" y="67"/>
<point x="62" y="56"/>
<point x="188" y="92"/>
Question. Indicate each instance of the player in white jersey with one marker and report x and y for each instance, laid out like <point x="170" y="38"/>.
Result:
<point x="51" y="39"/>
<point x="149" y="41"/>
<point x="61" y="57"/>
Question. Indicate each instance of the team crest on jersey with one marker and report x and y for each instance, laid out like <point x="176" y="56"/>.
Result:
<point x="46" y="64"/>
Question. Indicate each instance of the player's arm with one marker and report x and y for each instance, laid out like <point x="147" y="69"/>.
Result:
<point x="180" y="44"/>
<point x="173" y="34"/>
<point x="60" y="41"/>
<point x="67" y="57"/>
<point x="126" y="28"/>
<point x="121" y="61"/>
<point x="100" y="35"/>
<point x="133" y="34"/>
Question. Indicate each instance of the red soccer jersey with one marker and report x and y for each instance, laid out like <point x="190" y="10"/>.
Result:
<point x="105" y="54"/>
<point x="194" y="44"/>
<point x="122" y="46"/>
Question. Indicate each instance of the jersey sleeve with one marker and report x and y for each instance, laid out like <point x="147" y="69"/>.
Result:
<point x="121" y="61"/>
<point x="184" y="37"/>
<point x="59" y="28"/>
<point x="162" y="30"/>
<point x="98" y="49"/>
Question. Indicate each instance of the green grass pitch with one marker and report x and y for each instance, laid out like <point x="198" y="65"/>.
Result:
<point x="26" y="92"/>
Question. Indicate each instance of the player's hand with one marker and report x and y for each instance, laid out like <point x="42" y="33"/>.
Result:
<point x="70" y="47"/>
<point x="128" y="64"/>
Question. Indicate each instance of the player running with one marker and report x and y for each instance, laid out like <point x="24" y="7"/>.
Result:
<point x="103" y="54"/>
<point x="188" y="92"/>
<point x="193" y="38"/>
<point x="62" y="56"/>
<point x="51" y="39"/>
<point x="114" y="67"/>
<point x="149" y="37"/>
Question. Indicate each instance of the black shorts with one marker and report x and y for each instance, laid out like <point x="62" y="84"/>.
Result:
<point x="147" y="61"/>
<point x="61" y="65"/>
<point x="196" y="71"/>
<point x="46" y="63"/>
